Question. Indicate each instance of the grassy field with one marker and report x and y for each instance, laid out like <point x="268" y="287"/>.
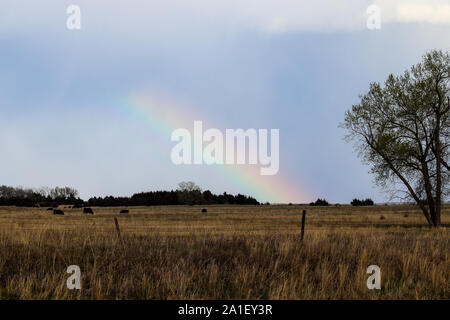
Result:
<point x="230" y="252"/>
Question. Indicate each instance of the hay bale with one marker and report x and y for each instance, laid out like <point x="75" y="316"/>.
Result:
<point x="88" y="211"/>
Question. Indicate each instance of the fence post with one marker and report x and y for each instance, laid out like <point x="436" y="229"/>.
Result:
<point x="118" y="230"/>
<point x="303" y="224"/>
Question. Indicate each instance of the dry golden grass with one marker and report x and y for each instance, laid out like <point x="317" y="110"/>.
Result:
<point x="231" y="252"/>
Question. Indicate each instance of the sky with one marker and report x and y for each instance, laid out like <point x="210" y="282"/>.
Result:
<point x="94" y="108"/>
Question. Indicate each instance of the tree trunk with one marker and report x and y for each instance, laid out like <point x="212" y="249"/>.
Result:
<point x="437" y="216"/>
<point x="426" y="213"/>
<point x="430" y="198"/>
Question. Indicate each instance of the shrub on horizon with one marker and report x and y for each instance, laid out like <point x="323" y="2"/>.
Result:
<point x="319" y="202"/>
<point x="361" y="203"/>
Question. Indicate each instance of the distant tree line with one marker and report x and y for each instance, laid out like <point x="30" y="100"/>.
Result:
<point x="156" y="198"/>
<point x="187" y="194"/>
<point x="27" y="197"/>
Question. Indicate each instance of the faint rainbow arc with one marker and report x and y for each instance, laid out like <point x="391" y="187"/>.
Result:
<point x="164" y="115"/>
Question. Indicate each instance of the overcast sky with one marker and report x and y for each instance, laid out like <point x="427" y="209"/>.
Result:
<point x="291" y="65"/>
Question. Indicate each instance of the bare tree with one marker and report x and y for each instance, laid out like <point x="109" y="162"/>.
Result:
<point x="62" y="193"/>
<point x="189" y="192"/>
<point x="188" y="186"/>
<point x="402" y="130"/>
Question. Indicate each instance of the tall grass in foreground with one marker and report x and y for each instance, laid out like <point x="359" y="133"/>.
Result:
<point x="232" y="252"/>
<point x="327" y="265"/>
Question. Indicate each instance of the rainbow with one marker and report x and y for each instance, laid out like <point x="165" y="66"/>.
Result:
<point x="162" y="114"/>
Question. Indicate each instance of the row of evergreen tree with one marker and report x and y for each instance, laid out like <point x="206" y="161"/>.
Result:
<point x="155" y="198"/>
<point x="355" y="202"/>
<point x="362" y="203"/>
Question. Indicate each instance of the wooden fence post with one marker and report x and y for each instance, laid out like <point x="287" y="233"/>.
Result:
<point x="118" y="229"/>
<point x="303" y="224"/>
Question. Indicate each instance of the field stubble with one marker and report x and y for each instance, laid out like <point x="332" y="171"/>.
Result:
<point x="230" y="252"/>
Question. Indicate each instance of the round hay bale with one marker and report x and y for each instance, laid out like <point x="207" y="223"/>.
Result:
<point x="88" y="211"/>
<point x="58" y="212"/>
